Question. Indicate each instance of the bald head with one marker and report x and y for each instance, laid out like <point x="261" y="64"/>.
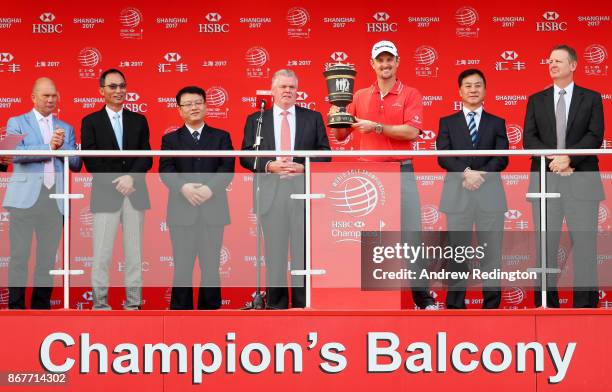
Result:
<point x="44" y="96"/>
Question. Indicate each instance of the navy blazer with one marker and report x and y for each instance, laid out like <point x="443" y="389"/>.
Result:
<point x="310" y="134"/>
<point x="97" y="134"/>
<point x="454" y="135"/>
<point x="215" y="172"/>
<point x="585" y="129"/>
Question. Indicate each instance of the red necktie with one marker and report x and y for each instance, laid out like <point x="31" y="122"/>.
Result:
<point x="285" y="135"/>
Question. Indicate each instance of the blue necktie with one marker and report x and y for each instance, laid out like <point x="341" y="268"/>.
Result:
<point x="472" y="128"/>
<point x="118" y="128"/>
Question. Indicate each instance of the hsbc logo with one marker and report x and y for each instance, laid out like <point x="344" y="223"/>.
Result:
<point x="47" y="26"/>
<point x="381" y="16"/>
<point x="213" y="25"/>
<point x="428" y="135"/>
<point x="88" y="296"/>
<point x="551" y="22"/>
<point x="6" y="57"/>
<point x="513" y="214"/>
<point x="382" y="24"/>
<point x="172" y="57"/>
<point x="132" y="97"/>
<point x="47" y="17"/>
<point x="302" y="100"/>
<point x="301" y="96"/>
<point x="550" y="15"/>
<point x="509" y="55"/>
<point x="133" y="104"/>
<point x="213" y="17"/>
<point x="339" y="56"/>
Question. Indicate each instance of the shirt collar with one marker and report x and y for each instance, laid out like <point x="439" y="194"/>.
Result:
<point x="396" y="89"/>
<point x="478" y="111"/>
<point x="277" y="110"/>
<point x="39" y="116"/>
<point x="112" y="113"/>
<point x="568" y="90"/>
<point x="192" y="130"/>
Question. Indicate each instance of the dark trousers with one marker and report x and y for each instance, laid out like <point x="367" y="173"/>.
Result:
<point x="489" y="231"/>
<point x="283" y="230"/>
<point x="44" y="219"/>
<point x="203" y="241"/>
<point x="581" y="219"/>
<point x="411" y="230"/>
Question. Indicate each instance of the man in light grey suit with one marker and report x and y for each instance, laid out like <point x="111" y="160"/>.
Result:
<point x="27" y="197"/>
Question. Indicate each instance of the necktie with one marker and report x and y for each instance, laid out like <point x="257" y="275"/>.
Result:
<point x="49" y="170"/>
<point x="196" y="136"/>
<point x="285" y="134"/>
<point x="118" y="128"/>
<point x="472" y="128"/>
<point x="561" y="120"/>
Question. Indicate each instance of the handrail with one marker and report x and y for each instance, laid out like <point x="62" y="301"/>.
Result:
<point x="308" y="153"/>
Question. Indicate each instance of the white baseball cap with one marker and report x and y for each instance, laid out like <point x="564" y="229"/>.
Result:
<point x="383" y="46"/>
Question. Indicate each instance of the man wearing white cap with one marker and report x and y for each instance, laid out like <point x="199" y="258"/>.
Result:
<point x="389" y="116"/>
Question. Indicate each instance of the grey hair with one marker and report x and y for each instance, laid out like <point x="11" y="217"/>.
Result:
<point x="284" y="72"/>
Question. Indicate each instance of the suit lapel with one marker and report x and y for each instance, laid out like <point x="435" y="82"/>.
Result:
<point x="268" y="130"/>
<point x="126" y="123"/>
<point x="549" y="104"/>
<point x="482" y="128"/>
<point x="464" y="133"/>
<point x="37" y="133"/>
<point x="106" y="123"/>
<point x="299" y="129"/>
<point x="577" y="97"/>
<point x="185" y="139"/>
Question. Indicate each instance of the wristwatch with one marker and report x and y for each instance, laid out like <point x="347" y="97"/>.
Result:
<point x="378" y="128"/>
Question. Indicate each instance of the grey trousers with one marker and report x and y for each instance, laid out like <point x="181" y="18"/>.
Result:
<point x="104" y="233"/>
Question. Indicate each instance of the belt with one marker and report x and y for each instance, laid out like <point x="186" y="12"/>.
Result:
<point x="406" y="162"/>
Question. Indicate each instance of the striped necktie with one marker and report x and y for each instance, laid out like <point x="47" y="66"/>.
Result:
<point x="472" y="128"/>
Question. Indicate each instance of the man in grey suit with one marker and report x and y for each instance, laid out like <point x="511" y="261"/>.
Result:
<point x="27" y="197"/>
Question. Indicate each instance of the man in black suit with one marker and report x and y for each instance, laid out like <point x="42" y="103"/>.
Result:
<point x="286" y="127"/>
<point x="568" y="116"/>
<point x="473" y="193"/>
<point x="119" y="191"/>
<point x="197" y="205"/>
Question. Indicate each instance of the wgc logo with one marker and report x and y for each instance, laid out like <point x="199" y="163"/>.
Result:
<point x="467" y="19"/>
<point x="358" y="194"/>
<point x="515" y="135"/>
<point x="256" y="59"/>
<point x="216" y="100"/>
<point x="130" y="19"/>
<point x="297" y="19"/>
<point x="595" y="56"/>
<point x="425" y="57"/>
<point x="89" y="58"/>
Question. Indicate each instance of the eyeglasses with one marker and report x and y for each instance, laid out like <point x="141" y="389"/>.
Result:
<point x="114" y="86"/>
<point x="191" y="104"/>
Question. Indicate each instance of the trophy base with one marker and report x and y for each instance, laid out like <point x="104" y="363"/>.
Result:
<point x="340" y="120"/>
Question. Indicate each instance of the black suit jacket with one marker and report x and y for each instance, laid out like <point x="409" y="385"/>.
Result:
<point x="309" y="135"/>
<point x="585" y="129"/>
<point x="97" y="134"/>
<point x="455" y="135"/>
<point x="3" y="168"/>
<point x="215" y="172"/>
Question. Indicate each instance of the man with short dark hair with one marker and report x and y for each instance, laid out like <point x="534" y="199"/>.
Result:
<point x="473" y="193"/>
<point x="197" y="204"/>
<point x="567" y="116"/>
<point x="286" y="127"/>
<point x="119" y="191"/>
<point x="389" y="116"/>
<point x="27" y="198"/>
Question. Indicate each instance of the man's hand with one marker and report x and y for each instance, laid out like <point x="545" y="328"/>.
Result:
<point x="124" y="185"/>
<point x="57" y="140"/>
<point x="192" y="193"/>
<point x="473" y="179"/>
<point x="205" y="193"/>
<point x="364" y="126"/>
<point x="566" y="172"/>
<point x="285" y="167"/>
<point x="559" y="163"/>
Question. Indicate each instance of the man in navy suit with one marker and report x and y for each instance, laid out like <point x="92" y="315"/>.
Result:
<point x="286" y="127"/>
<point x="568" y="116"/>
<point x="27" y="197"/>
<point x="197" y="204"/>
<point x="119" y="190"/>
<point x="473" y="193"/>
